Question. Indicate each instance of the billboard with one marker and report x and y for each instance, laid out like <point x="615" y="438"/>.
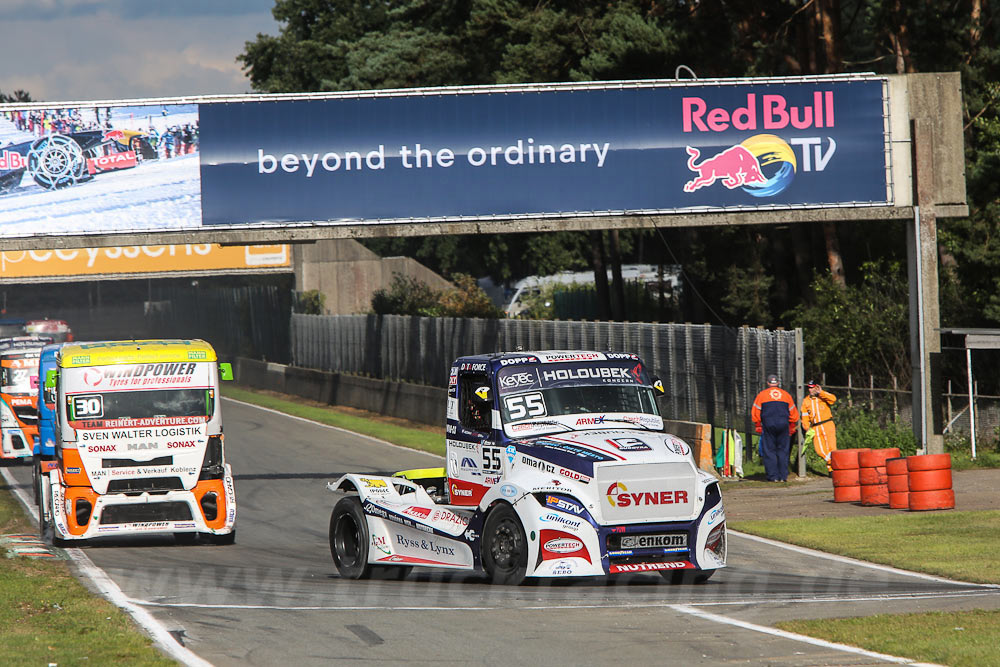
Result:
<point x="160" y="260"/>
<point x="624" y="148"/>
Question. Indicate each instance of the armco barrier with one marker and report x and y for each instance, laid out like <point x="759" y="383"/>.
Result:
<point x="414" y="402"/>
<point x="930" y="482"/>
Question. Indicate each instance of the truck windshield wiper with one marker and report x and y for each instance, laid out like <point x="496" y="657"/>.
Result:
<point x="634" y="423"/>
<point x="549" y="422"/>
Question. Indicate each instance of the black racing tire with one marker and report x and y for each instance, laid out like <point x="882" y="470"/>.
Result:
<point x="42" y="523"/>
<point x="505" y="547"/>
<point x="185" y="538"/>
<point x="57" y="161"/>
<point x="687" y="576"/>
<point x="349" y="539"/>
<point x="36" y="473"/>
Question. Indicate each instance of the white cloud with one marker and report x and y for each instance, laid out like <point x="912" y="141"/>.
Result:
<point x="93" y="54"/>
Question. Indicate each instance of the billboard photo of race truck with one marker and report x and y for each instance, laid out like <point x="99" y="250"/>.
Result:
<point x="125" y="157"/>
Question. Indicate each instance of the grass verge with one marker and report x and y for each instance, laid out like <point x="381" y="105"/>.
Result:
<point x="957" y="639"/>
<point x="47" y="616"/>
<point x="964" y="545"/>
<point x="397" y="431"/>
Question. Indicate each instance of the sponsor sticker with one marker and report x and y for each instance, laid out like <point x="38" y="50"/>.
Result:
<point x="563" y="545"/>
<point x="650" y="567"/>
<point x="666" y="541"/>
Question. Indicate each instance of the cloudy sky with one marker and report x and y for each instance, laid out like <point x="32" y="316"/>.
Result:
<point x="68" y="50"/>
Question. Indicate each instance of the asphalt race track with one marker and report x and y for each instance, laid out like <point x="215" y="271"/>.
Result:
<point x="274" y="598"/>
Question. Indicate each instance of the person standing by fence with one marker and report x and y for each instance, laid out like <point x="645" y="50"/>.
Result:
<point x="776" y="418"/>
<point x="817" y="421"/>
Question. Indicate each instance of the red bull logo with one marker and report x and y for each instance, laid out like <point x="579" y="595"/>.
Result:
<point x="115" y="135"/>
<point x="10" y="160"/>
<point x="735" y="167"/>
<point x="773" y="113"/>
<point x="763" y="165"/>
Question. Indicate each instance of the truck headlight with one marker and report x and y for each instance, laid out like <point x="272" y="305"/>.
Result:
<point x="211" y="465"/>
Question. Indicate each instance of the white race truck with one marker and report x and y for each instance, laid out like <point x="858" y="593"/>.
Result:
<point x="138" y="443"/>
<point x="557" y="466"/>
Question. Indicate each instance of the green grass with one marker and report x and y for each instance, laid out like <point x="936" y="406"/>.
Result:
<point x="956" y="545"/>
<point x="47" y="616"/>
<point x="424" y="440"/>
<point x="957" y="639"/>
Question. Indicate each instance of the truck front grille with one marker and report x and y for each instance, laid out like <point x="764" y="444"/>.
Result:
<point x="138" y="485"/>
<point x="146" y="512"/>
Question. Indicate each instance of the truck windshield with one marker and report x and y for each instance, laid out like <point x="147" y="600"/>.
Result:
<point x="141" y="404"/>
<point x="20" y="380"/>
<point x="581" y="399"/>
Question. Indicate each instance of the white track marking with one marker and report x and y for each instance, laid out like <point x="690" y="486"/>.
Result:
<point x="756" y="600"/>
<point x="334" y="428"/>
<point x="854" y="561"/>
<point x="111" y="591"/>
<point x="685" y="609"/>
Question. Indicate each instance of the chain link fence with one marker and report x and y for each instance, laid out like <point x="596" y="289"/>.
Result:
<point x="711" y="373"/>
<point x="896" y="404"/>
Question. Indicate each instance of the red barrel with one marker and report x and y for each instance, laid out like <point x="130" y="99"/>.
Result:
<point x="929" y="480"/>
<point x="846" y="486"/>
<point x="872" y="476"/>
<point x="897" y="481"/>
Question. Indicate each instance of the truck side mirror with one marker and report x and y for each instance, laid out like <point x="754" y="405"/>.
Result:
<point x="225" y="371"/>
<point x="50" y="379"/>
<point x="658" y="385"/>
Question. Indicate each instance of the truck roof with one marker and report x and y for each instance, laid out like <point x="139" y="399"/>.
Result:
<point x="104" y="353"/>
<point x="498" y="359"/>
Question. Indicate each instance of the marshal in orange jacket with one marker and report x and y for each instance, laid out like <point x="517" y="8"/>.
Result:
<point x="816" y="415"/>
<point x="772" y="406"/>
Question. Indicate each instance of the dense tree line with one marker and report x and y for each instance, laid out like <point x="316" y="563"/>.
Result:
<point x="770" y="276"/>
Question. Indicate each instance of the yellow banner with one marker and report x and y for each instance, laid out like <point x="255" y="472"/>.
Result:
<point x="140" y="259"/>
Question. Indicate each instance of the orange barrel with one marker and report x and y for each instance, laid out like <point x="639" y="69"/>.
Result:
<point x="846" y="487"/>
<point x="897" y="480"/>
<point x="929" y="482"/>
<point x="871" y="475"/>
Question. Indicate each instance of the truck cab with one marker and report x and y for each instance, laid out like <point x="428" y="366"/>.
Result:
<point x="19" y="395"/>
<point x="556" y="465"/>
<point x="138" y="443"/>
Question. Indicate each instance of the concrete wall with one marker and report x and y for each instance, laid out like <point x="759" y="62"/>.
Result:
<point x="937" y="98"/>
<point x="348" y="273"/>
<point x="418" y="403"/>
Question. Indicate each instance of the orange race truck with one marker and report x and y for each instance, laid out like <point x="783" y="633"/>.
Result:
<point x="19" y="395"/>
<point x="139" y="444"/>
